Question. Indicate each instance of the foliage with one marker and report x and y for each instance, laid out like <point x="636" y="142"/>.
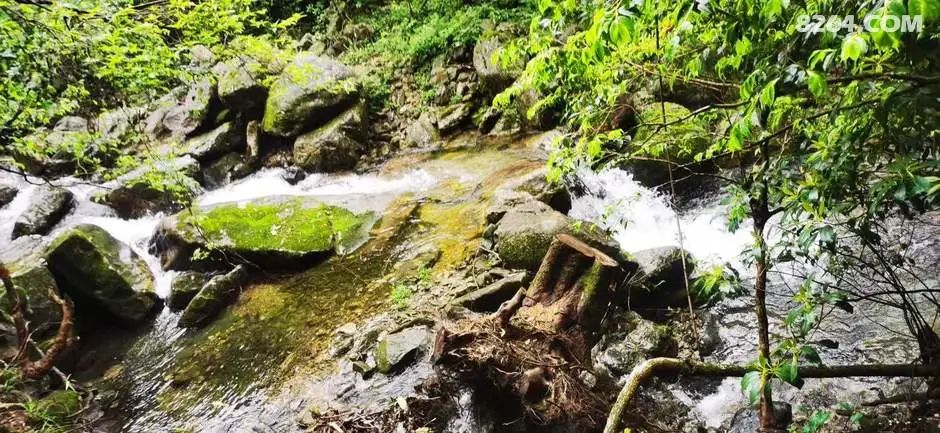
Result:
<point x="401" y="295"/>
<point x="717" y="282"/>
<point x="836" y="132"/>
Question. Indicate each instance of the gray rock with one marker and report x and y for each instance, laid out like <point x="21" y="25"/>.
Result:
<point x="184" y="288"/>
<point x="659" y="282"/>
<point x="490" y="297"/>
<point x="178" y="117"/>
<point x="47" y="206"/>
<point x="396" y="350"/>
<point x="119" y="122"/>
<point x="71" y="124"/>
<point x="94" y="266"/>
<point x="306" y="93"/>
<point x="451" y="118"/>
<point x="24" y="258"/>
<point x="201" y="56"/>
<point x="293" y="175"/>
<point x="220" y="291"/>
<point x="215" y="143"/>
<point x="631" y="340"/>
<point x="494" y="76"/>
<point x="525" y="232"/>
<point x="422" y="133"/>
<point x="240" y="84"/>
<point x="7" y="194"/>
<point x="135" y="195"/>
<point x="336" y="146"/>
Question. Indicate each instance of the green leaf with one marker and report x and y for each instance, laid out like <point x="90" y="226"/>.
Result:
<point x="853" y="47"/>
<point x="788" y="371"/>
<point x="751" y="385"/>
<point x="768" y="94"/>
<point x="929" y="9"/>
<point x="811" y="355"/>
<point x="817" y="84"/>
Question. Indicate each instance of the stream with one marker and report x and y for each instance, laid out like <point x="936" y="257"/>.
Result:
<point x="638" y="218"/>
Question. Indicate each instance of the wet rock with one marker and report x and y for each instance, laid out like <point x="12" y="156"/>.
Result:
<point x="396" y="350"/>
<point x="213" y="298"/>
<point x="489" y="297"/>
<point x="24" y="258"/>
<point x="213" y="144"/>
<point x="450" y="119"/>
<point x="293" y="175"/>
<point x="178" y="117"/>
<point x="184" y="288"/>
<point x="279" y="232"/>
<point x="659" y="282"/>
<point x="343" y="339"/>
<point x="140" y="193"/>
<point x="525" y="232"/>
<point x="47" y="206"/>
<point x="7" y="194"/>
<point x="629" y="340"/>
<point x="308" y="92"/>
<point x="536" y="184"/>
<point x="747" y="420"/>
<point x="225" y="169"/>
<point x="94" y="267"/>
<point x="240" y="84"/>
<point x="336" y="146"/>
<point x="422" y="133"/>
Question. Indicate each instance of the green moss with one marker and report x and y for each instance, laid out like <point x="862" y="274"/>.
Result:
<point x="289" y="226"/>
<point x="59" y="406"/>
<point x="525" y="249"/>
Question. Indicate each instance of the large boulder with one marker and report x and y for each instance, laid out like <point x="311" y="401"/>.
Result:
<point x="7" y="194"/>
<point x="47" y="206"/>
<point x="25" y="259"/>
<point x="240" y="84"/>
<point x="334" y="146"/>
<point x="659" y="281"/>
<point x="493" y="74"/>
<point x="451" y="118"/>
<point x="422" y="133"/>
<point x="97" y="269"/>
<point x="309" y="92"/>
<point x="226" y="138"/>
<point x="213" y="297"/>
<point x="160" y="187"/>
<point x="115" y="124"/>
<point x="395" y="350"/>
<point x="525" y="232"/>
<point x="279" y="232"/>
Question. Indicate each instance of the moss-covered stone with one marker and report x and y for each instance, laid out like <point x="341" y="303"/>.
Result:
<point x="24" y="258"/>
<point x="525" y="233"/>
<point x="213" y="297"/>
<point x="96" y="268"/>
<point x="184" y="288"/>
<point x="226" y="138"/>
<point x="240" y="84"/>
<point x="334" y="146"/>
<point x="47" y="206"/>
<point x="394" y="350"/>
<point x="305" y="93"/>
<point x="277" y="231"/>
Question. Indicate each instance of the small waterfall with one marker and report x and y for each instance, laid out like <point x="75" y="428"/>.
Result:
<point x="641" y="218"/>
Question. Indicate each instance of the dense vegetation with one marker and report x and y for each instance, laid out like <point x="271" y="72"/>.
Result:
<point x="824" y="140"/>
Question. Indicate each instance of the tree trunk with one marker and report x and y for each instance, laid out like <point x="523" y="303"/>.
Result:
<point x="760" y="214"/>
<point x="659" y="367"/>
<point x="573" y="286"/>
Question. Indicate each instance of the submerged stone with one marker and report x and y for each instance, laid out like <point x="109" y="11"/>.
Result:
<point x="213" y="297"/>
<point x="7" y="194"/>
<point x="96" y="268"/>
<point x="278" y="232"/>
<point x="47" y="206"/>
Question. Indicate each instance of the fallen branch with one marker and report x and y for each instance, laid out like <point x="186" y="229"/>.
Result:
<point x="658" y="367"/>
<point x="63" y="340"/>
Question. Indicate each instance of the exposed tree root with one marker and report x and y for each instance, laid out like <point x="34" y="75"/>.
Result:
<point x="658" y="367"/>
<point x="63" y="340"/>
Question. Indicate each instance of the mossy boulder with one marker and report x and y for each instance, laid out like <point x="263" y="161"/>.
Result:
<point x="47" y="206"/>
<point x="395" y="350"/>
<point x="281" y="232"/>
<point x="659" y="281"/>
<point x="99" y="270"/>
<point x="240" y="84"/>
<point x="525" y="232"/>
<point x="184" y="288"/>
<point x="630" y="340"/>
<point x="334" y="146"/>
<point x="25" y="259"/>
<point x="146" y="190"/>
<point x="214" y="296"/>
<point x="309" y="92"/>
